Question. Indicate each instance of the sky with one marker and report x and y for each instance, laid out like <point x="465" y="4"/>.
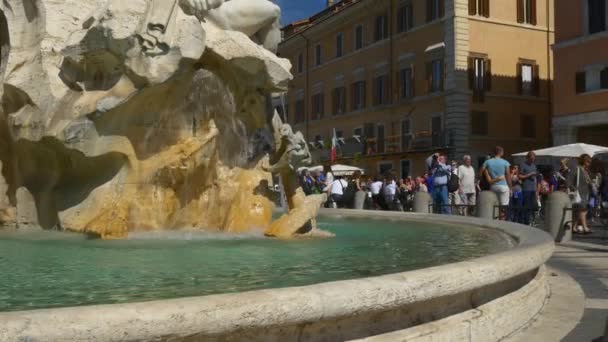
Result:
<point x="299" y="9"/>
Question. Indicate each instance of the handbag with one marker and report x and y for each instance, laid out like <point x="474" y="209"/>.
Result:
<point x="575" y="196"/>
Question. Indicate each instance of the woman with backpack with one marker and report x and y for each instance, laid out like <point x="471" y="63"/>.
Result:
<point x="579" y="184"/>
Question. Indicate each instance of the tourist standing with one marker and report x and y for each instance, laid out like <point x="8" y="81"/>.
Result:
<point x="376" y="190"/>
<point x="441" y="175"/>
<point x="306" y="182"/>
<point x="336" y="191"/>
<point x="596" y="173"/>
<point x="390" y="192"/>
<point x="466" y="175"/>
<point x="517" y="196"/>
<point x="528" y="173"/>
<point x="580" y="182"/>
<point x="496" y="173"/>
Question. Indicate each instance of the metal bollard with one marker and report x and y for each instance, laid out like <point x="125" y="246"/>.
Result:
<point x="557" y="213"/>
<point x="486" y="202"/>
<point x="422" y="200"/>
<point x="359" y="202"/>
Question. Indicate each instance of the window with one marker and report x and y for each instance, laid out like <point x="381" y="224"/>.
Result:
<point x="480" y="77"/>
<point x="384" y="168"/>
<point x="358" y="37"/>
<point x="381" y="29"/>
<point x="479" y="123"/>
<point x="406" y="83"/>
<point x="526" y="11"/>
<point x="481" y="7"/>
<point x="318" y="55"/>
<point x="339" y="45"/>
<point x="318" y="106"/>
<point x="528" y="126"/>
<point x="434" y="10"/>
<point x="581" y="82"/>
<point x="339" y="101"/>
<point x="380" y="139"/>
<point x="358" y="90"/>
<point x="434" y="75"/>
<point x="406" y="18"/>
<point x="380" y="90"/>
<point x="300" y="113"/>
<point x="406" y="135"/>
<point x="300" y="63"/>
<point x="405" y="169"/>
<point x="339" y="134"/>
<point x="528" y="79"/>
<point x="358" y="132"/>
<point x="318" y="142"/>
<point x="596" y="12"/>
<point x="592" y="79"/>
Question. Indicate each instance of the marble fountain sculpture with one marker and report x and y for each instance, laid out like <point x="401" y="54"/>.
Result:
<point x="145" y="115"/>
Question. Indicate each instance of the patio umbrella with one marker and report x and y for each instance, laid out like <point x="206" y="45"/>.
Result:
<point x="571" y="151"/>
<point x="345" y="170"/>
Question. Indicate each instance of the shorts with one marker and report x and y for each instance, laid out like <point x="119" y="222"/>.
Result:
<point x="503" y="194"/>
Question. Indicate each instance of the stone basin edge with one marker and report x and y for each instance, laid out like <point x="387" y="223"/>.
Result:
<point x="255" y="314"/>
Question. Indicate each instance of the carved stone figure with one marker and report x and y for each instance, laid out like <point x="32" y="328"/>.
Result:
<point x="120" y="115"/>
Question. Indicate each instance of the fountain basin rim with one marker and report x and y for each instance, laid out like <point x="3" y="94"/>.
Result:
<point x="226" y="314"/>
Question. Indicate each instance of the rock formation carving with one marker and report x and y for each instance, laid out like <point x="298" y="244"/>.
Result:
<point x="121" y="115"/>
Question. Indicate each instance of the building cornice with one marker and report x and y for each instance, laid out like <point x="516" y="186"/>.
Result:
<point x="337" y="19"/>
<point x="580" y="40"/>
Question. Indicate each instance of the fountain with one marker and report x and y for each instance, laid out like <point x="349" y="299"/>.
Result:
<point x="146" y="123"/>
<point x="138" y="116"/>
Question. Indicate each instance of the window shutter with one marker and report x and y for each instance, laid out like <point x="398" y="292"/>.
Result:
<point x="520" y="11"/>
<point x="441" y="9"/>
<point x="488" y="75"/>
<point x="472" y="7"/>
<point x="604" y="78"/>
<point x="353" y="97"/>
<point x="443" y="75"/>
<point x="413" y="81"/>
<point x="375" y="92"/>
<point x="520" y="85"/>
<point x="429" y="11"/>
<point x="581" y="82"/>
<point x="533" y="12"/>
<point x="399" y="76"/>
<point x="364" y="94"/>
<point x="486" y="8"/>
<point x="471" y="73"/>
<point x="536" y="80"/>
<point x="429" y="77"/>
<point x="410" y="16"/>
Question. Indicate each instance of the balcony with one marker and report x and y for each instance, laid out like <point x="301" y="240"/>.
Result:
<point x="422" y="141"/>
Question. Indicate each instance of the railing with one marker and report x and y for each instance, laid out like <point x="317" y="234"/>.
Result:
<point x="411" y="142"/>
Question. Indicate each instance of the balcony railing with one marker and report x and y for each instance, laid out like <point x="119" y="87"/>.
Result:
<point x="411" y="142"/>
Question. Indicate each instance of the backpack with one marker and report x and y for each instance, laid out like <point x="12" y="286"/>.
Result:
<point x="349" y="192"/>
<point x="453" y="183"/>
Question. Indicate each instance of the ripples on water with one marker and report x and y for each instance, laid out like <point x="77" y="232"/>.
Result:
<point x="50" y="269"/>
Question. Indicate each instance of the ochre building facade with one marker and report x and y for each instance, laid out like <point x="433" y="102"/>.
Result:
<point x="408" y="78"/>
<point x="581" y="72"/>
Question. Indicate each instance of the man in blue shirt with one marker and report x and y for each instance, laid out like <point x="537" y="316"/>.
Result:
<point x="496" y="171"/>
<point x="441" y="176"/>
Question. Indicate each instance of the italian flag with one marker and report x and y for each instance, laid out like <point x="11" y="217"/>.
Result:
<point x="334" y="147"/>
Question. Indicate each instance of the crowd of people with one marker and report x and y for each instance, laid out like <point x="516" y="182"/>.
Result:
<point x="522" y="190"/>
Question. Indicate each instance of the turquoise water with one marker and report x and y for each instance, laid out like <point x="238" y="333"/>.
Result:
<point x="47" y="269"/>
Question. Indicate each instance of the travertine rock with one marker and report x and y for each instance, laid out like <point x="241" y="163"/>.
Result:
<point x="137" y="115"/>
